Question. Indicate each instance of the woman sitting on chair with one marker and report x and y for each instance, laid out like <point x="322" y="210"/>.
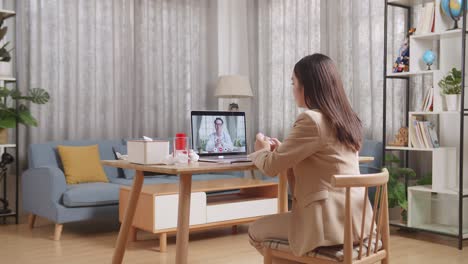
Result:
<point x="323" y="142"/>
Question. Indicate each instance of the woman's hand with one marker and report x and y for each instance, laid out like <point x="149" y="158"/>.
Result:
<point x="275" y="145"/>
<point x="261" y="142"/>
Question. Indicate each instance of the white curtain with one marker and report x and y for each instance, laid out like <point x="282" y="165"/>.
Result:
<point x="354" y="39"/>
<point x="237" y="49"/>
<point x="287" y="31"/>
<point x="126" y="68"/>
<point x="116" y="68"/>
<point x="351" y="33"/>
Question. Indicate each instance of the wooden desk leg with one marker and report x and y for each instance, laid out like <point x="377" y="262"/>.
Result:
<point x="119" y="250"/>
<point x="283" y="192"/>
<point x="185" y="189"/>
<point x="132" y="234"/>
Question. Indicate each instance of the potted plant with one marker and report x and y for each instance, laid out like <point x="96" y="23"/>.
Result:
<point x="6" y="69"/>
<point x="396" y="189"/>
<point x="8" y="113"/>
<point x="451" y="89"/>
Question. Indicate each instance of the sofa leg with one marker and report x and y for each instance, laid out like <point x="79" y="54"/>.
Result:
<point x="31" y="220"/>
<point x="58" y="232"/>
<point x="163" y="242"/>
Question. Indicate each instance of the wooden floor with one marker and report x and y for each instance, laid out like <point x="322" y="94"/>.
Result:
<point x="94" y="242"/>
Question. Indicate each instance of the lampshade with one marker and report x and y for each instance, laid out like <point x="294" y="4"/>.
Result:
<point x="233" y="86"/>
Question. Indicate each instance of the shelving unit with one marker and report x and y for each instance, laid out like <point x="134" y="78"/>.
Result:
<point x="431" y="207"/>
<point x="408" y="74"/>
<point x="6" y="81"/>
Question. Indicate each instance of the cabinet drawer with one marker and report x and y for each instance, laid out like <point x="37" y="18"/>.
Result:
<point x="166" y="207"/>
<point x="230" y="207"/>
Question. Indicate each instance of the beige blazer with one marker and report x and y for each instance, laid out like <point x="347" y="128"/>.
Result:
<point x="314" y="154"/>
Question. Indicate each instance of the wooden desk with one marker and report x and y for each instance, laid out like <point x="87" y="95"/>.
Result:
<point x="185" y="187"/>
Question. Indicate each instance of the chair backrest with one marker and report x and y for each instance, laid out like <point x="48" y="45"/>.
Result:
<point x="379" y="215"/>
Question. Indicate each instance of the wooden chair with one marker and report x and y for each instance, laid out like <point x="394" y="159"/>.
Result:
<point x="379" y="238"/>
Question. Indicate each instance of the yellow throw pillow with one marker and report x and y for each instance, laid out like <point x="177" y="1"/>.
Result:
<point x="82" y="164"/>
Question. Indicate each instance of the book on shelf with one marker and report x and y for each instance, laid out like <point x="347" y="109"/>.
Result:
<point x="415" y="137"/>
<point x="428" y="100"/>
<point x="423" y="134"/>
<point x="426" y="19"/>
<point x="433" y="135"/>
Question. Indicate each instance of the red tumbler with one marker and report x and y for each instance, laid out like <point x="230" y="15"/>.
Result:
<point x="181" y="141"/>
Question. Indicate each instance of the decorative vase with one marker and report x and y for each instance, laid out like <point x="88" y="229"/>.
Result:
<point x="6" y="69"/>
<point x="3" y="135"/>
<point x="452" y="101"/>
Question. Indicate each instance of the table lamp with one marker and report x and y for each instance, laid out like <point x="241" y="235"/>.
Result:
<point x="233" y="86"/>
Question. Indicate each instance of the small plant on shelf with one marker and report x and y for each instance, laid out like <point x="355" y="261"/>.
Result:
<point x="6" y="69"/>
<point x="451" y="88"/>
<point x="396" y="189"/>
<point x="451" y="83"/>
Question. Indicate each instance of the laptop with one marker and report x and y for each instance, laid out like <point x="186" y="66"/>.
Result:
<point x="219" y="136"/>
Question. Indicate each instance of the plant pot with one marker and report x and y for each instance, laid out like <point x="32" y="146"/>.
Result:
<point x="452" y="101"/>
<point x="6" y="69"/>
<point x="394" y="213"/>
<point x="3" y="135"/>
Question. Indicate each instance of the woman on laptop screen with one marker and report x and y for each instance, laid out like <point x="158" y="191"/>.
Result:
<point x="324" y="141"/>
<point x="219" y="140"/>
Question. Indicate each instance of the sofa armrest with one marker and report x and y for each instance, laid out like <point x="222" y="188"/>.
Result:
<point x="42" y="190"/>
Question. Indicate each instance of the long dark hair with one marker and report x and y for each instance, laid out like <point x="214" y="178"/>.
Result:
<point x="323" y="89"/>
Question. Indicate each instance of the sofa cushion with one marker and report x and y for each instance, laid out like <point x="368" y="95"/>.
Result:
<point x="91" y="194"/>
<point x="82" y="164"/>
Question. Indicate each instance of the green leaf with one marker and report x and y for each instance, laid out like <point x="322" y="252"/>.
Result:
<point x="8" y="122"/>
<point x="3" y="32"/>
<point x="404" y="205"/>
<point x="39" y="96"/>
<point x="407" y="172"/>
<point x="4" y="92"/>
<point x="4" y="53"/>
<point x="451" y="83"/>
<point x="25" y="117"/>
<point x="390" y="158"/>
<point x="16" y="95"/>
<point x="426" y="180"/>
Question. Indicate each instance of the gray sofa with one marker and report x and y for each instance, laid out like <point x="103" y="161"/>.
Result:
<point x="46" y="193"/>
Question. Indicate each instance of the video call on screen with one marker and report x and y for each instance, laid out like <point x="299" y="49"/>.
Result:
<point x="218" y="134"/>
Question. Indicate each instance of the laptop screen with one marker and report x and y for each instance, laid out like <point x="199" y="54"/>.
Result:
<point x="218" y="132"/>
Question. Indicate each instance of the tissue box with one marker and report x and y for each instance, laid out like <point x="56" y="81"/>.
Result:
<point x="147" y="152"/>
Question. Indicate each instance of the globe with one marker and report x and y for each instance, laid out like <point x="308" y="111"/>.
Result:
<point x="452" y="9"/>
<point x="429" y="58"/>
